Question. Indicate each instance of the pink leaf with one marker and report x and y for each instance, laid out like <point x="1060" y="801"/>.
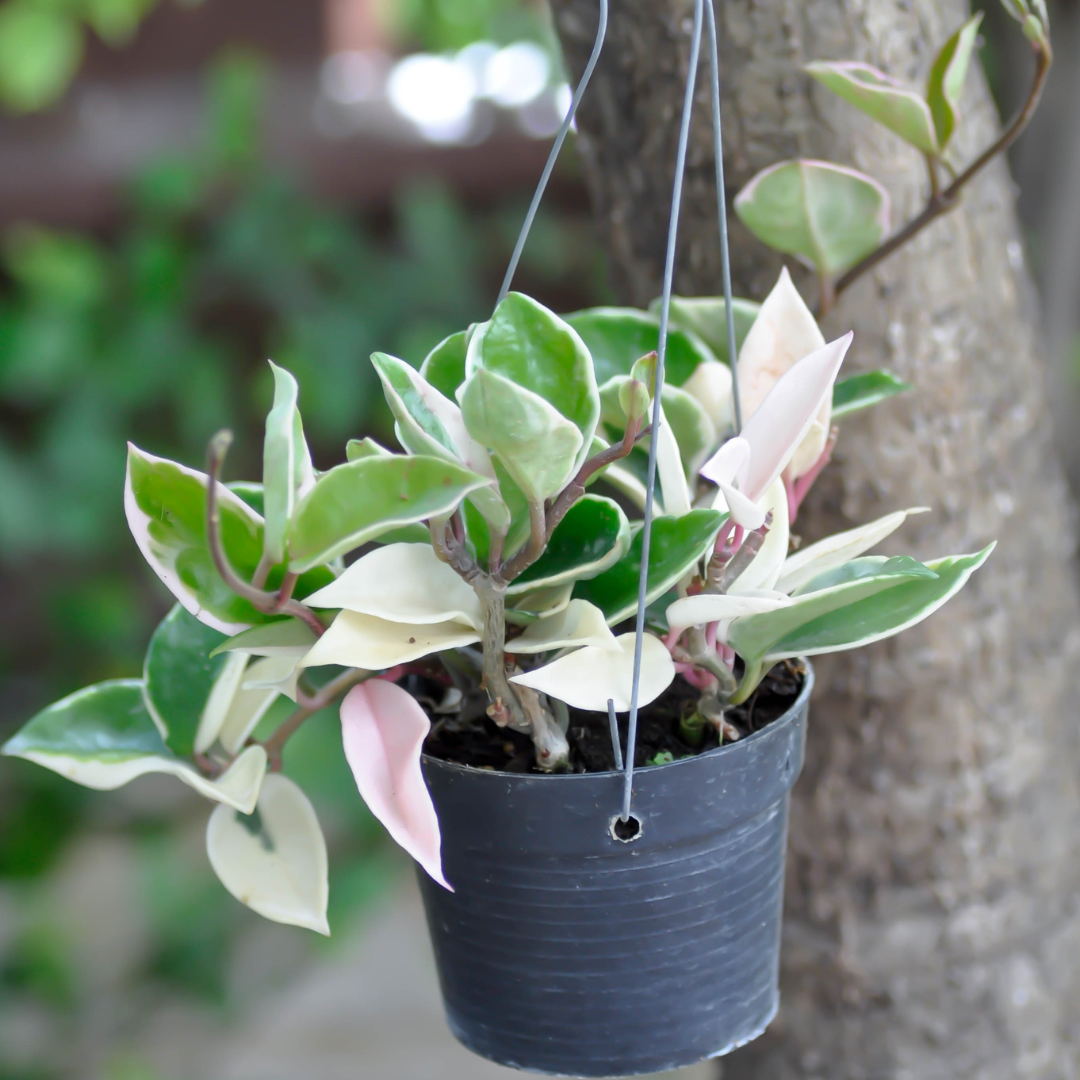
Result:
<point x="383" y="729"/>
<point x="730" y="464"/>
<point x="777" y="428"/>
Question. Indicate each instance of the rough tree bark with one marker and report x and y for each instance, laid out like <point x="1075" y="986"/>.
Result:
<point x="933" y="909"/>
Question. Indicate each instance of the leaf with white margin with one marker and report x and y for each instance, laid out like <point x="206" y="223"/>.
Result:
<point x="710" y="386"/>
<point x="835" y="550"/>
<point x="274" y="860"/>
<point x="785" y="331"/>
<point x="252" y="688"/>
<point x="524" y="609"/>
<point x="289" y="637"/>
<point x="778" y="427"/>
<point x="587" y="678"/>
<point x="288" y="474"/>
<point x="383" y="731"/>
<point x="532" y="348"/>
<point x="361" y="500"/>
<point x="405" y="583"/>
<point x="706" y="316"/>
<point x="865" y="389"/>
<point x="767" y="564"/>
<point x="366" y="641"/>
<point x="720" y="608"/>
<point x="594" y="535"/>
<point x="827" y="215"/>
<point x="277" y="673"/>
<point x="537" y="444"/>
<point x="883" y="98"/>
<point x="853" y="613"/>
<point x="580" y="623"/>
<point x="165" y="503"/>
<point x="427" y="422"/>
<point x="102" y="737"/>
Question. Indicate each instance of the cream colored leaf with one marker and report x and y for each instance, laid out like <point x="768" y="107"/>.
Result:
<point x="710" y="386"/>
<point x="784" y="332"/>
<point x="580" y="623"/>
<point x="219" y="701"/>
<point x="720" y="608"/>
<point x="274" y="861"/>
<point x="538" y="604"/>
<point x="366" y="641"/>
<point x="763" y="571"/>
<point x="405" y="583"/>
<point x="836" y="550"/>
<point x="588" y="677"/>
<point x="669" y="471"/>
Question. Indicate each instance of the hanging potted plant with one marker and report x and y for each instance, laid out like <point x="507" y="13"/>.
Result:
<point x="512" y="602"/>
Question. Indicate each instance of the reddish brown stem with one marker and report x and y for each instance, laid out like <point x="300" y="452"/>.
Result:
<point x="942" y="202"/>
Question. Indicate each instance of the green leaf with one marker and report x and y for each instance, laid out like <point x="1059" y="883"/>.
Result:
<point x="594" y="535"/>
<point x="853" y="613"/>
<point x="166" y="511"/>
<point x="354" y="503"/>
<point x="289" y="637"/>
<point x="706" y="316"/>
<point x="178" y="676"/>
<point x="866" y="566"/>
<point x="355" y="449"/>
<point x="249" y="492"/>
<point x="430" y="423"/>
<point x="690" y="424"/>
<point x="103" y="737"/>
<point x="41" y="47"/>
<point x="616" y="337"/>
<point x="829" y="216"/>
<point x="882" y="98"/>
<point x="947" y="77"/>
<point x="287" y="470"/>
<point x="534" y="349"/>
<point x="444" y="366"/>
<point x="862" y="391"/>
<point x="538" y="446"/>
<point x="677" y="545"/>
<point x="477" y="528"/>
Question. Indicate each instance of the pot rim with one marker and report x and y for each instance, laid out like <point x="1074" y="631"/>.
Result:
<point x="775" y="727"/>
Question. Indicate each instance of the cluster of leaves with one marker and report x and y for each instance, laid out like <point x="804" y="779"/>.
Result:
<point x="486" y="529"/>
<point x="837" y="219"/>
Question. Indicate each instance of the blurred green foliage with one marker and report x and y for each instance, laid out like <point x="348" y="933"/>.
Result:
<point x="451" y="24"/>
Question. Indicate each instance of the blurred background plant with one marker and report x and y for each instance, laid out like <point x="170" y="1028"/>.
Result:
<point x="190" y="188"/>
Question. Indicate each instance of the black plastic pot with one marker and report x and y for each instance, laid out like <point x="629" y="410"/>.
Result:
<point x="566" y="950"/>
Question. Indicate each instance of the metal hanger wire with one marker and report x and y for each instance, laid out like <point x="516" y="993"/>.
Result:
<point x="703" y="11"/>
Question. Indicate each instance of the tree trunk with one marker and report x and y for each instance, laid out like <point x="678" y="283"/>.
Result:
<point x="933" y="906"/>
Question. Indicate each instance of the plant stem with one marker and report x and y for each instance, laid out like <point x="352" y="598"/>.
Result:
<point x="570" y="495"/>
<point x="269" y="602"/>
<point x="943" y="201"/>
<point x="307" y="706"/>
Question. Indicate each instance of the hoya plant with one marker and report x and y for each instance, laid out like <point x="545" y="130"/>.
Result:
<point x="483" y="575"/>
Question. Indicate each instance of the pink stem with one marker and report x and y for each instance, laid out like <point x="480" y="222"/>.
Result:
<point x="722" y="536"/>
<point x="801" y="487"/>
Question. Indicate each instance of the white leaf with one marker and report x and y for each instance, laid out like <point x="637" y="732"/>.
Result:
<point x="721" y="608"/>
<point x="743" y="511"/>
<point x="366" y="641"/>
<point x="587" y="677"/>
<point x="237" y="787"/>
<point x="669" y="470"/>
<point x="264" y="681"/>
<point x="383" y="731"/>
<point x="405" y="583"/>
<point x="580" y="623"/>
<point x="836" y="550"/>
<point x="763" y="571"/>
<point x="219" y="700"/>
<point x="729" y="465"/>
<point x="530" y="606"/>
<point x="274" y="862"/>
<point x="783" y="333"/>
<point x="779" y="426"/>
<point x="710" y="386"/>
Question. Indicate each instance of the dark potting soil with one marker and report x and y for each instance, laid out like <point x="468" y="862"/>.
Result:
<point x="482" y="744"/>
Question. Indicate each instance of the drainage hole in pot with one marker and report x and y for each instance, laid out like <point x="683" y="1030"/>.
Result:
<point x="787" y="765"/>
<point x="627" y="830"/>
